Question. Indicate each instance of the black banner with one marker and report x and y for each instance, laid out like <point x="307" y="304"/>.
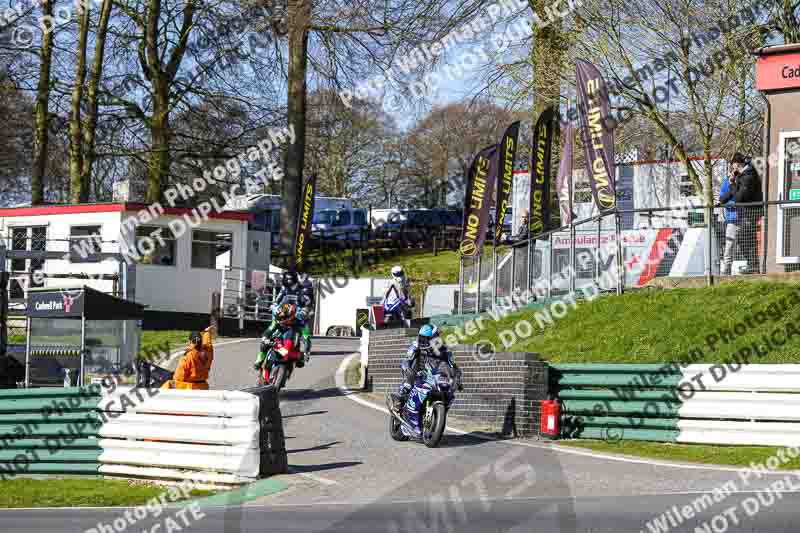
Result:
<point x="597" y="133"/>
<point x="55" y="304"/>
<point x="304" y="219"/>
<point x="477" y="199"/>
<point x="539" y="210"/>
<point x="507" y="157"/>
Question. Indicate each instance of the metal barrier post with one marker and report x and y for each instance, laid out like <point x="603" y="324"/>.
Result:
<point x="241" y="300"/>
<point x="27" y="352"/>
<point x="620" y="262"/>
<point x="764" y="225"/>
<point x="571" y="271"/>
<point x="550" y="266"/>
<point x="494" y="277"/>
<point x="597" y="254"/>
<point x="3" y="301"/>
<point x="513" y="272"/>
<point x="531" y="244"/>
<point x="478" y="295"/>
<point x="709" y="236"/>
<point x="461" y="287"/>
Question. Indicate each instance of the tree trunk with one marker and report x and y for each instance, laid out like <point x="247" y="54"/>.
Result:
<point x="90" y="128"/>
<point x="299" y="18"/>
<point x="78" y="189"/>
<point x="546" y="56"/>
<point x="41" y="112"/>
<point x="159" y="163"/>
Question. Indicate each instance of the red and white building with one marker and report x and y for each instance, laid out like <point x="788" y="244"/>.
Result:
<point x="173" y="272"/>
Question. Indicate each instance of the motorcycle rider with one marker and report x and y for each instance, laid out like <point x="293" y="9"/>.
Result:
<point x="301" y="295"/>
<point x="398" y="288"/>
<point x="283" y="326"/>
<point x="427" y="346"/>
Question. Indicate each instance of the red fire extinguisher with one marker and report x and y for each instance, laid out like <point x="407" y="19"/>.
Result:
<point x="551" y="415"/>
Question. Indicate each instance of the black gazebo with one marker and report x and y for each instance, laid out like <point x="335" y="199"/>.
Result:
<point x="74" y="334"/>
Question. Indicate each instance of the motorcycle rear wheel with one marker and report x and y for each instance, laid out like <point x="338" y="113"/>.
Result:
<point x="432" y="435"/>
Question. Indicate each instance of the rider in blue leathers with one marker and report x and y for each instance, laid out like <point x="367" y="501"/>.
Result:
<point x="428" y="347"/>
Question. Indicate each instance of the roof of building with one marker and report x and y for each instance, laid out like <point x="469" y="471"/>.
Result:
<point x="777" y="49"/>
<point x="110" y="207"/>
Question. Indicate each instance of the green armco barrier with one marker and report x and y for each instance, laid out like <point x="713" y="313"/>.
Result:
<point x="618" y="401"/>
<point x="49" y="430"/>
<point x="87" y="469"/>
<point x="57" y="456"/>
<point x="52" y="429"/>
<point x="617" y="433"/>
<point x="44" y="444"/>
<point x="602" y="395"/>
<point x="615" y="380"/>
<point x="651" y="408"/>
<point x="624" y="422"/>
<point x="621" y="368"/>
<point x="33" y="417"/>
<point x="49" y="392"/>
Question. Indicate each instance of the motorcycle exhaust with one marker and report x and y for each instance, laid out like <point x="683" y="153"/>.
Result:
<point x="389" y="405"/>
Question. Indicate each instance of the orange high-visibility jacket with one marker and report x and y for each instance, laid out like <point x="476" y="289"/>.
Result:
<point x="194" y="367"/>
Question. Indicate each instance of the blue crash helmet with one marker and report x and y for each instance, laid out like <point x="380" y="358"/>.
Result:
<point x="426" y="333"/>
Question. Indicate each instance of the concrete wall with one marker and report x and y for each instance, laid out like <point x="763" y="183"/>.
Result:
<point x="504" y="393"/>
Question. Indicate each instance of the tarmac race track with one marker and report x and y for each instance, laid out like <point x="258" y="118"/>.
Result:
<point x="347" y="475"/>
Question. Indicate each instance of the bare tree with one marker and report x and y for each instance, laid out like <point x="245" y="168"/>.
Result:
<point x="672" y="64"/>
<point x="41" y="108"/>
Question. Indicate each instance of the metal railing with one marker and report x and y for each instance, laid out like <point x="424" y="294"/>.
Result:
<point x="247" y="295"/>
<point x="621" y="249"/>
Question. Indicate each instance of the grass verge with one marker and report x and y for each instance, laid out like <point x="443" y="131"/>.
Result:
<point x="689" y="453"/>
<point x="76" y="492"/>
<point x="655" y="326"/>
<point x="158" y="344"/>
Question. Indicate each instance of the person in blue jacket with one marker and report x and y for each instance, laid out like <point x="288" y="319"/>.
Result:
<point x="742" y="187"/>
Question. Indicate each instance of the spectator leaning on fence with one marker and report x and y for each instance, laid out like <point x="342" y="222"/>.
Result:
<point x="741" y="223"/>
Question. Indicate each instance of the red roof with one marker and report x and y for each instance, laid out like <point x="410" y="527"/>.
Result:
<point x="67" y="209"/>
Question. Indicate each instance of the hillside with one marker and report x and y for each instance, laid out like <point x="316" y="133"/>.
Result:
<point x="651" y="326"/>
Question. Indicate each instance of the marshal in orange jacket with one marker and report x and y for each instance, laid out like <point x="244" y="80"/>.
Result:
<point x="194" y="367"/>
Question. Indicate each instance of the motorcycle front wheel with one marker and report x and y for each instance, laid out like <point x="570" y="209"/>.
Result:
<point x="277" y="377"/>
<point x="433" y="429"/>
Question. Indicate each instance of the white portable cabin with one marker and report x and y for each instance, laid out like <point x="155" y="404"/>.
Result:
<point x="176" y="275"/>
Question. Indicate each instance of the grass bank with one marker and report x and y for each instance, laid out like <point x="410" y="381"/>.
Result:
<point x="77" y="492"/>
<point x="656" y="326"/>
<point x="689" y="453"/>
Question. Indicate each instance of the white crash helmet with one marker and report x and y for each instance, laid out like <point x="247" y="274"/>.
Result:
<point x="397" y="273"/>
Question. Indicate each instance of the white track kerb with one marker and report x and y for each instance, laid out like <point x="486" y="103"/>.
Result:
<point x="340" y="384"/>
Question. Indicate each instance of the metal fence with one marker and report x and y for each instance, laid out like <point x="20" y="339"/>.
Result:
<point x="621" y="249"/>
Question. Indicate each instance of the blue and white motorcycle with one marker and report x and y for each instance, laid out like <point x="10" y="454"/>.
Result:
<point x="424" y="415"/>
<point x="398" y="312"/>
